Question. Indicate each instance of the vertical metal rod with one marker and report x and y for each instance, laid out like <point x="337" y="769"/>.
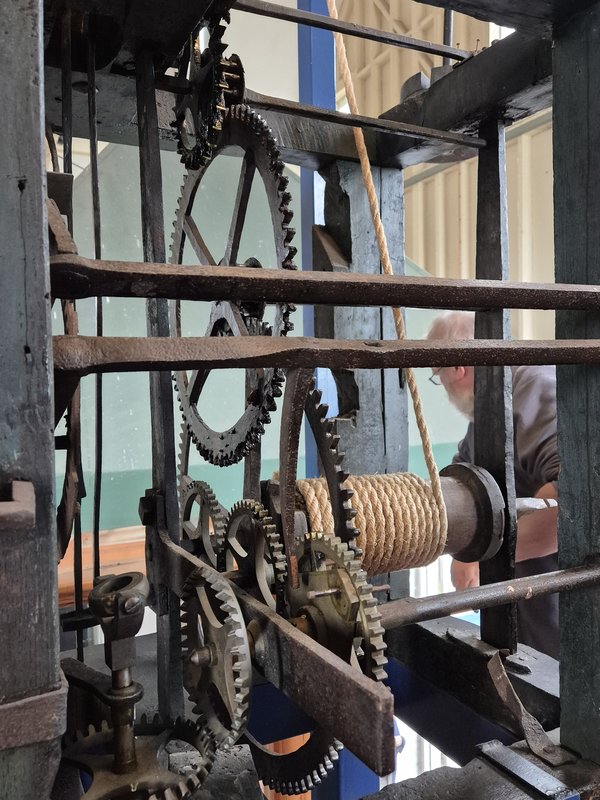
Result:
<point x="448" y="32"/>
<point x="161" y="394"/>
<point x="78" y="580"/>
<point x="67" y="100"/>
<point x="93" y="137"/>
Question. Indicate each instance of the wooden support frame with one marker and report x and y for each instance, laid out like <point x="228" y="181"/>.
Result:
<point x="29" y="620"/>
<point x="576" y="114"/>
<point x="493" y="385"/>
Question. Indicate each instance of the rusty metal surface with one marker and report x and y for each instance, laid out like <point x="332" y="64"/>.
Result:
<point x="18" y="512"/>
<point x="76" y="277"/>
<point x="290" y="660"/>
<point x="537" y="739"/>
<point x="532" y="776"/>
<point x="350" y="28"/>
<point x="83" y="355"/>
<point x="38" y="718"/>
<point x="297" y="386"/>
<point x="410" y="610"/>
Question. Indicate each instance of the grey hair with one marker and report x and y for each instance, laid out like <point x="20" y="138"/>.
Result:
<point x="453" y="326"/>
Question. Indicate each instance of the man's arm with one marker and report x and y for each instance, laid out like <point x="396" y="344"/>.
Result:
<point x="537" y="532"/>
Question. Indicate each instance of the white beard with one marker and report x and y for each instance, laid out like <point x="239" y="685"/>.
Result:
<point x="465" y="404"/>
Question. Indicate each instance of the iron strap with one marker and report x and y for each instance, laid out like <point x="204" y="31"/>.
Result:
<point x="34" y="719"/>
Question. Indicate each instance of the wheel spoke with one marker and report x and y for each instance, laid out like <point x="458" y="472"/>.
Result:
<point x="240" y="208"/>
<point x="197" y="242"/>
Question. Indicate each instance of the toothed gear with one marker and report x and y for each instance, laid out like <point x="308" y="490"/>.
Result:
<point x="91" y="752"/>
<point x="219" y="682"/>
<point x="299" y="771"/>
<point x="253" y="543"/>
<point x="354" y="632"/>
<point x="217" y="82"/>
<point x="206" y="534"/>
<point x="245" y="129"/>
<point x="352" y="615"/>
<point x="327" y="440"/>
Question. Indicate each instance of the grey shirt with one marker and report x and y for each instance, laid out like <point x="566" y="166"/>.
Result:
<point x="534" y="419"/>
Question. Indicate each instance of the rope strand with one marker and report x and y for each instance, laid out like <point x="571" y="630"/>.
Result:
<point x="387" y="268"/>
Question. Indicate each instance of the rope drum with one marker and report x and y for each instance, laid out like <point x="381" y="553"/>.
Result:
<point x="398" y="516"/>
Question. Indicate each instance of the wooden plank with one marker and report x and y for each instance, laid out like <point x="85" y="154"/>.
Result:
<point x="75" y="277"/>
<point x="83" y="355"/>
<point x="534" y="16"/>
<point x="494" y="448"/>
<point x="512" y="77"/>
<point x="577" y="246"/>
<point x="28" y="619"/>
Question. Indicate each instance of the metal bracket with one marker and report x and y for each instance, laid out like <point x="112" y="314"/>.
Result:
<point x="533" y="777"/>
<point x="537" y="739"/>
<point x="30" y="720"/>
<point x="18" y="513"/>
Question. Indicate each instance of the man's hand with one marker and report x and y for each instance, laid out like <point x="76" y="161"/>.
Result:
<point x="464" y="576"/>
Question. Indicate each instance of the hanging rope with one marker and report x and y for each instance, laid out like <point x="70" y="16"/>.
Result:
<point x="398" y="518"/>
<point x="388" y="269"/>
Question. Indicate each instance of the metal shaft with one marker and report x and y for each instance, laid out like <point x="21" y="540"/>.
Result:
<point x="352" y="29"/>
<point x="411" y="610"/>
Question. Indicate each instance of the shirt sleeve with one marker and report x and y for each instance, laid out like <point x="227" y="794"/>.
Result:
<point x="534" y="413"/>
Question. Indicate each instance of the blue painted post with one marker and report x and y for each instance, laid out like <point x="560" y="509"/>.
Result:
<point x="316" y="72"/>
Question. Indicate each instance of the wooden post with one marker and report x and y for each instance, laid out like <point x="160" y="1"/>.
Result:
<point x="29" y="615"/>
<point x="493" y="385"/>
<point x="375" y="438"/>
<point x="576" y="111"/>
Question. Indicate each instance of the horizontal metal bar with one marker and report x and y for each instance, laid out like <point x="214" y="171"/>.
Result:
<point x="410" y="610"/>
<point x="83" y="355"/>
<point x="404" y="129"/>
<point x="350" y="28"/>
<point x="75" y="277"/>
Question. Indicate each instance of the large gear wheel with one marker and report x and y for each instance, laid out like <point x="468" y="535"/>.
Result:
<point x="159" y="775"/>
<point x="217" y="663"/>
<point x="203" y="520"/>
<point x="336" y="601"/>
<point x="253" y="543"/>
<point x="242" y="128"/>
<point x="216" y="84"/>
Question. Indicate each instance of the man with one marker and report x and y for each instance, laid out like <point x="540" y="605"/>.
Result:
<point x="536" y="474"/>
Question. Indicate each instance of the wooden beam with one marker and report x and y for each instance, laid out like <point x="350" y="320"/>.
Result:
<point x="576" y="111"/>
<point x="534" y="16"/>
<point x="512" y="77"/>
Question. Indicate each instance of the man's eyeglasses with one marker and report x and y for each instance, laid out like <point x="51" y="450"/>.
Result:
<point x="435" y="378"/>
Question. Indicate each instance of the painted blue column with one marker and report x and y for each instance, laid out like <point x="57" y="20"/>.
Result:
<point x="316" y="72"/>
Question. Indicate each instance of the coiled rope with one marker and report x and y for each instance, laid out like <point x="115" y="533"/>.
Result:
<point x="407" y="491"/>
<point x="398" y="519"/>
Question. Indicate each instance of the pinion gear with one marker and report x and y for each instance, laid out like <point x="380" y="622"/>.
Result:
<point x="253" y="543"/>
<point x="206" y="532"/>
<point x="217" y="667"/>
<point x="216" y="84"/>
<point x="244" y="129"/>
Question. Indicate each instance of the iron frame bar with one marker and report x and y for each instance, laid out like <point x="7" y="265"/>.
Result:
<point x="276" y="11"/>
